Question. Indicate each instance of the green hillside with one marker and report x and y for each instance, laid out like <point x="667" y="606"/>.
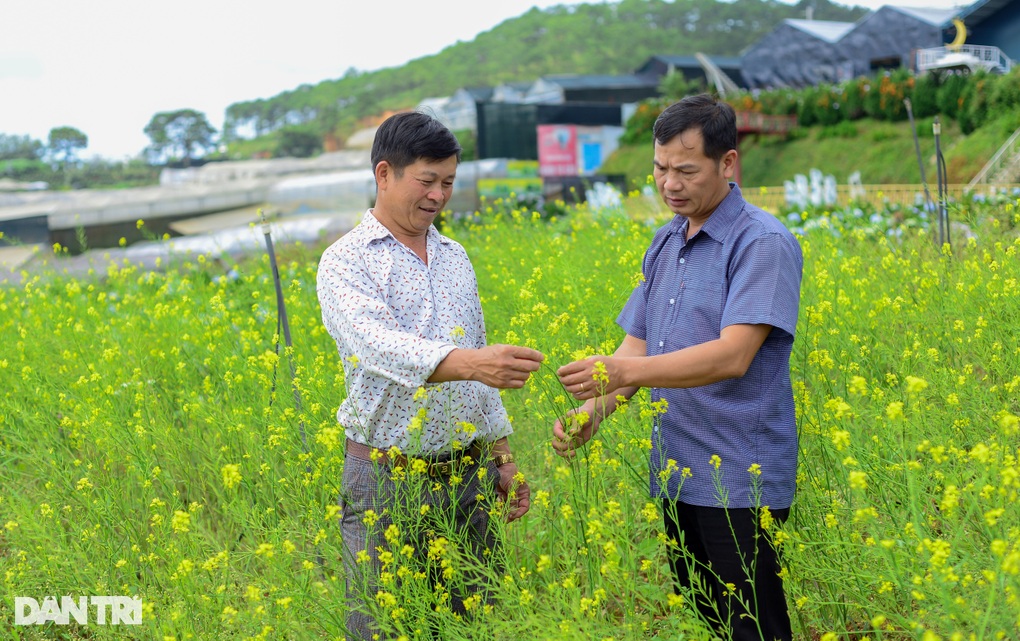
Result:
<point x="617" y="38"/>
<point x="583" y="39"/>
<point x="882" y="151"/>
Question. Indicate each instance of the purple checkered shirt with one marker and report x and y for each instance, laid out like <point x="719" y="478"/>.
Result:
<point x="742" y="267"/>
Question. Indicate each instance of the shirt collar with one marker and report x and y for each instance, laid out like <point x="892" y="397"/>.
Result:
<point x="371" y="230"/>
<point x="719" y="223"/>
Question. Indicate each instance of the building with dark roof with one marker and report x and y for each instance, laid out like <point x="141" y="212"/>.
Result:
<point x="621" y="89"/>
<point x="890" y="37"/>
<point x="994" y="23"/>
<point x="798" y="53"/>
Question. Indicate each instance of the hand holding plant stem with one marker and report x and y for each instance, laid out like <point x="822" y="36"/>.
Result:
<point x="577" y="426"/>
<point x="514" y="491"/>
<point x="592" y="377"/>
<point x="575" y="429"/>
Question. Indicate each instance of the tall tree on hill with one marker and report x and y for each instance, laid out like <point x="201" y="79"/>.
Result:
<point x="64" y="144"/>
<point x="179" y="134"/>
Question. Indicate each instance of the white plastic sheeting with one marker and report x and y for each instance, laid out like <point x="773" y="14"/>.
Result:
<point x="354" y="191"/>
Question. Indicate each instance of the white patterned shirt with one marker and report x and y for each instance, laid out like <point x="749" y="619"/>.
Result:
<point x="394" y="319"/>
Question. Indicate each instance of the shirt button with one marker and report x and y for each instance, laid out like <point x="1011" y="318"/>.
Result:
<point x="672" y="300"/>
<point x="683" y="260"/>
<point x="660" y="343"/>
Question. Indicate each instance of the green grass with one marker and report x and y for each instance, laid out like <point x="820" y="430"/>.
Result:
<point x="882" y="151"/>
<point x="142" y="451"/>
<point x="633" y="161"/>
<point x="966" y="156"/>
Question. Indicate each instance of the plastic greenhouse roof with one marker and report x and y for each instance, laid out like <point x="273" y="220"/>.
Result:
<point x="826" y="30"/>
<point x="934" y="17"/>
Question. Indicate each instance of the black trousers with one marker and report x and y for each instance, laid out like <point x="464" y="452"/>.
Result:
<point x="718" y="548"/>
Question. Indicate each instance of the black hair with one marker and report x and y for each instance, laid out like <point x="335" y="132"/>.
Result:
<point x="406" y="137"/>
<point x="715" y="119"/>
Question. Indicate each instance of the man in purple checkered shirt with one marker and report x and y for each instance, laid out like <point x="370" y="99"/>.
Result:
<point x="709" y="331"/>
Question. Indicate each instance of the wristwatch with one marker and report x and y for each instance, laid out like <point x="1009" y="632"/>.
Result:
<point x="503" y="459"/>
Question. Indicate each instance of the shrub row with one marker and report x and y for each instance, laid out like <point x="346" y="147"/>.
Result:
<point x="969" y="99"/>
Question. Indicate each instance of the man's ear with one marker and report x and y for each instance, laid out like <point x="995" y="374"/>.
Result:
<point x="383" y="172"/>
<point x="729" y="163"/>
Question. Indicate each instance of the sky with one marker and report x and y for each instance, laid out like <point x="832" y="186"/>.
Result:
<point x="106" y="67"/>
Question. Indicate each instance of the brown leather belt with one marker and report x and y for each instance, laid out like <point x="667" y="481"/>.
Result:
<point x="435" y="467"/>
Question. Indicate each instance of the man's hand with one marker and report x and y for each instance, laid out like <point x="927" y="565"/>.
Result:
<point x="574" y="430"/>
<point x="513" y="491"/>
<point x="506" y="366"/>
<point x="592" y="376"/>
<point x="499" y="366"/>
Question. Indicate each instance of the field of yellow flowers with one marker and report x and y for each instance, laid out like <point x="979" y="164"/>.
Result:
<point x="151" y="445"/>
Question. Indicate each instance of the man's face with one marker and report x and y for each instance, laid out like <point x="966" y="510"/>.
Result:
<point x="412" y="199"/>
<point x="690" y="183"/>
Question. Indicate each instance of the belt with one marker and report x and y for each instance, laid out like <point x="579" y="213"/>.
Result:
<point x="434" y="468"/>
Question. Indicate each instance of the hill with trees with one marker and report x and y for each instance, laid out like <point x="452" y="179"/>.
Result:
<point x="603" y="38"/>
<point x="579" y="39"/>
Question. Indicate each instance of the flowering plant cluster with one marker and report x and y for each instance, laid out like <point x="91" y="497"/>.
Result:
<point x="148" y="450"/>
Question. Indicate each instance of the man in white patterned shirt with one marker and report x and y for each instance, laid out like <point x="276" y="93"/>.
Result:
<point x="401" y="301"/>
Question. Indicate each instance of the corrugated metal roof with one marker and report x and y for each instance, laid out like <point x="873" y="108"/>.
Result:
<point x="600" y="82"/>
<point x="723" y="62"/>
<point x="826" y="30"/>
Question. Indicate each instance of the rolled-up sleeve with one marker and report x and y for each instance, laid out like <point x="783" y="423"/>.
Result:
<point x="358" y="317"/>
